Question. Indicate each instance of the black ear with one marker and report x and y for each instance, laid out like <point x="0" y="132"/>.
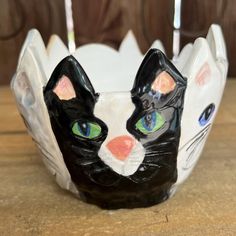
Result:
<point x="69" y="80"/>
<point x="156" y="74"/>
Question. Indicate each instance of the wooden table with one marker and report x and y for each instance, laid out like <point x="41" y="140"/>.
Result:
<point x="31" y="203"/>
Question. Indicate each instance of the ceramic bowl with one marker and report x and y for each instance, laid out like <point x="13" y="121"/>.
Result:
<point x="116" y="127"/>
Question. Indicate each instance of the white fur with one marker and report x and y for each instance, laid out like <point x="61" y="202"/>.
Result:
<point x="115" y="109"/>
<point x="27" y="84"/>
<point x="210" y="52"/>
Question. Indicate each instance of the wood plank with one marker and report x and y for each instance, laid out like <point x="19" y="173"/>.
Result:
<point x="6" y="95"/>
<point x="227" y="109"/>
<point x="15" y="144"/>
<point x="17" y="18"/>
<point x="10" y="119"/>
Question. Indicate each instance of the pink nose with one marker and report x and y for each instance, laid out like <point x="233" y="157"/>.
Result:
<point x="121" y="146"/>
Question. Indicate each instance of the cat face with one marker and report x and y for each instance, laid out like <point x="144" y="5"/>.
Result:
<point x="202" y="100"/>
<point x="109" y="136"/>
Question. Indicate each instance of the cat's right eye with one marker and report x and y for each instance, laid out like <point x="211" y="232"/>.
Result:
<point x="150" y="123"/>
<point x="88" y="130"/>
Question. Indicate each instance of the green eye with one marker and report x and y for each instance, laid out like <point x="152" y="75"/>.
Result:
<point x="87" y="130"/>
<point x="150" y="123"/>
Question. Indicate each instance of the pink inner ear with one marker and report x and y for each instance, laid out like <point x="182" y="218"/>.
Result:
<point x="204" y="75"/>
<point x="163" y="83"/>
<point x="64" y="89"/>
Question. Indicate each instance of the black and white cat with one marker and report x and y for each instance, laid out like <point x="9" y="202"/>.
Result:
<point x="120" y="148"/>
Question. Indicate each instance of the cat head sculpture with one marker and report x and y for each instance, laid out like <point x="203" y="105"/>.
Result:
<point x="120" y="139"/>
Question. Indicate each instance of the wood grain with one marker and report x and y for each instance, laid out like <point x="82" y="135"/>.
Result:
<point x="17" y="17"/>
<point x="107" y="21"/>
<point x="32" y="204"/>
<point x="198" y="15"/>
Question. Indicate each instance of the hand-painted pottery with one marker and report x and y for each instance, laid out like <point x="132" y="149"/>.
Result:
<point x="120" y="129"/>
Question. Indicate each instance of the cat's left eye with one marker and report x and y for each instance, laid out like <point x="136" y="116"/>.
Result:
<point x="87" y="130"/>
<point x="150" y="123"/>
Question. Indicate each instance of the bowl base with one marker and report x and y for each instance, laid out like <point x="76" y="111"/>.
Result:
<point x="127" y="201"/>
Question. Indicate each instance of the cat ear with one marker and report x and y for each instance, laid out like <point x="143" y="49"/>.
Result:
<point x="69" y="80"/>
<point x="64" y="89"/>
<point x="157" y="74"/>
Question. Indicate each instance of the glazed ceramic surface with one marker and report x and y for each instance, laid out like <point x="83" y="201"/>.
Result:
<point x="119" y="128"/>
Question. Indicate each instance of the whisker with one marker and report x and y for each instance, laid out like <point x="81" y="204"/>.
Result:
<point x="159" y="145"/>
<point x="151" y="164"/>
<point x="159" y="165"/>
<point x="200" y="134"/>
<point x="197" y="141"/>
<point x="159" y="153"/>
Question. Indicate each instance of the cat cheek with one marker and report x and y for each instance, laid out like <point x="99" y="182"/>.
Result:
<point x="64" y="89"/>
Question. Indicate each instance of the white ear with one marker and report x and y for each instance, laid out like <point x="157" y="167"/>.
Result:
<point x="216" y="43"/>
<point x="157" y="44"/>
<point x="35" y="42"/>
<point x="183" y="56"/>
<point x="27" y="85"/>
<point x="33" y="59"/>
<point x="200" y="55"/>
<point x="209" y="51"/>
<point x="56" y="51"/>
<point x="129" y="46"/>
